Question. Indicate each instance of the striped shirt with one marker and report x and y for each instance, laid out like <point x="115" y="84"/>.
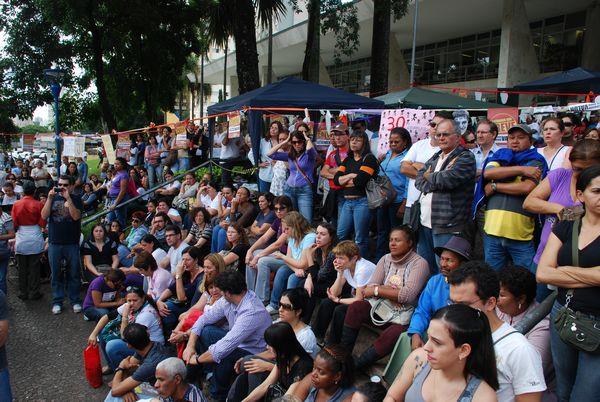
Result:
<point x="198" y="233"/>
<point x="192" y="394"/>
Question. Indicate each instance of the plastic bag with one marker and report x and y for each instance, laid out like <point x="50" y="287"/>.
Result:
<point x="93" y="365"/>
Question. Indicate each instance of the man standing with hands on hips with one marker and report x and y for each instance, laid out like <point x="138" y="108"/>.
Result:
<point x="63" y="214"/>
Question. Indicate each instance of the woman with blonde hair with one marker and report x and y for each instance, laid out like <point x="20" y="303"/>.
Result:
<point x="300" y="237"/>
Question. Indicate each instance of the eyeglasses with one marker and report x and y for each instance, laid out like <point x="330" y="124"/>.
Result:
<point x="280" y="209"/>
<point x="287" y="307"/>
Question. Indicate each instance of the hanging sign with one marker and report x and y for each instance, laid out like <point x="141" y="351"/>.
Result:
<point x="234" y="130"/>
<point x="108" y="148"/>
<point x="73" y="146"/>
<point x="123" y="146"/>
<point x="416" y="121"/>
<point x="504" y="118"/>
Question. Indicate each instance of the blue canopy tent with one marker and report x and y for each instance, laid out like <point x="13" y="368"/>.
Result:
<point x="289" y="92"/>
<point x="577" y="80"/>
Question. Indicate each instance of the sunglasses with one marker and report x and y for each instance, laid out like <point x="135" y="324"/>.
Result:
<point x="470" y="141"/>
<point x="433" y="124"/>
<point x="568" y="124"/>
<point x="286" y="306"/>
<point x="297" y="142"/>
<point x="280" y="208"/>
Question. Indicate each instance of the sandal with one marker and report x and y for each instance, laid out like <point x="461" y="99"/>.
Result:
<point x="106" y="370"/>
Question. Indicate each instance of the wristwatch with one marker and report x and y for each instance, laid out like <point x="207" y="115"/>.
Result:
<point x="494" y="187"/>
<point x="177" y="276"/>
<point x="376" y="292"/>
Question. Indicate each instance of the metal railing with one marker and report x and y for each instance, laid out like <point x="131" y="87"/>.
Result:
<point x="95" y="217"/>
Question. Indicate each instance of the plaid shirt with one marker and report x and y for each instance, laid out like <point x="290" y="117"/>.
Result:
<point x="452" y="189"/>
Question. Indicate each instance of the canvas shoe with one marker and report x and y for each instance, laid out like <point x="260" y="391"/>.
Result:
<point x="56" y="309"/>
<point x="77" y="308"/>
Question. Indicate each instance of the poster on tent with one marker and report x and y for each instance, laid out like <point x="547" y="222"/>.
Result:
<point x="235" y="121"/>
<point x="73" y="146"/>
<point x="504" y="118"/>
<point x="416" y="121"/>
<point x="123" y="146"/>
<point x="111" y="156"/>
<point x="322" y="138"/>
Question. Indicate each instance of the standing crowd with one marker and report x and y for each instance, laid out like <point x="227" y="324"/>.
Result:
<point x="206" y="290"/>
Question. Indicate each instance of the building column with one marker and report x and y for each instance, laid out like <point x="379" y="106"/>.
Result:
<point x="518" y="61"/>
<point x="324" y="78"/>
<point x="590" y="57"/>
<point x="234" y="86"/>
<point x="264" y="75"/>
<point x="398" y="75"/>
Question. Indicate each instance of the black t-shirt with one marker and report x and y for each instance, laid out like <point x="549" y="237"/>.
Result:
<point x="298" y="371"/>
<point x="62" y="229"/>
<point x="240" y="250"/>
<point x="103" y="256"/>
<point x="3" y="316"/>
<point x="190" y="287"/>
<point x="584" y="300"/>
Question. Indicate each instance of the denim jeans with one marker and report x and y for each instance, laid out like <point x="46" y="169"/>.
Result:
<point x="263" y="186"/>
<point x="302" y="200"/>
<point x="355" y="215"/>
<point x="123" y="252"/>
<point x="184" y="164"/>
<point x="218" y="240"/>
<point x="118" y="214"/>
<point x="153" y="173"/>
<point x="428" y="241"/>
<point x="116" y="350"/>
<point x="284" y="279"/>
<point x="176" y="309"/>
<point x="386" y="220"/>
<point x="222" y="372"/>
<point x="5" y="392"/>
<point x="262" y="276"/>
<point x="95" y="313"/>
<point x="70" y="252"/>
<point x="577" y="373"/>
<point x="499" y="250"/>
<point x="542" y="290"/>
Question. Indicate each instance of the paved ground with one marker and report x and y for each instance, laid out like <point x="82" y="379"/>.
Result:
<point x="45" y="352"/>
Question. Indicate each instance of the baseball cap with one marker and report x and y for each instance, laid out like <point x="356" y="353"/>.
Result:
<point x="340" y="128"/>
<point x="523" y="127"/>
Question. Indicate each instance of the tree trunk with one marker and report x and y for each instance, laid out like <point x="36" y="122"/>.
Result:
<point x="97" y="56"/>
<point x="310" y="66"/>
<point x="380" y="47"/>
<point x="246" y="55"/>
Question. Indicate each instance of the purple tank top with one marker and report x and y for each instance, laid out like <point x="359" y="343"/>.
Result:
<point x="560" y="193"/>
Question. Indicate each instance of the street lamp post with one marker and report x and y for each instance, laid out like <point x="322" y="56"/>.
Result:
<point x="54" y="77"/>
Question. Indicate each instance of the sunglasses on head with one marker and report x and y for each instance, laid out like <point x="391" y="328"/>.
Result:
<point x="131" y="289"/>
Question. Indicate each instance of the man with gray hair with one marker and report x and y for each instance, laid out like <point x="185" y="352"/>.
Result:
<point x="171" y="385"/>
<point x="446" y="181"/>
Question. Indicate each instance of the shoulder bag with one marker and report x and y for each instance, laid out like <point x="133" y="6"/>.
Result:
<point x="380" y="190"/>
<point x="574" y="328"/>
<point x="384" y="311"/>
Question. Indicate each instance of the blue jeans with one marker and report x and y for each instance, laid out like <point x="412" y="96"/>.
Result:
<point x="260" y="277"/>
<point x="542" y="290"/>
<point x="386" y="221"/>
<point x="218" y="240"/>
<point x="5" y="393"/>
<point x="116" y="350"/>
<point x="70" y="252"/>
<point x="95" y="313"/>
<point x="263" y="186"/>
<point x="428" y="241"/>
<point x="153" y="174"/>
<point x="184" y="164"/>
<point x="119" y="214"/>
<point x="171" y="320"/>
<point x="302" y="200"/>
<point x="577" y="373"/>
<point x="223" y="372"/>
<point x="123" y="252"/>
<point x="355" y="215"/>
<point x="284" y="279"/>
<point x="499" y="250"/>
<point x="4" y="259"/>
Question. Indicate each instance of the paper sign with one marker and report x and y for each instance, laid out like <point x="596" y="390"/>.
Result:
<point x="416" y="121"/>
<point x="504" y="118"/>
<point x="73" y="146"/>
<point x="108" y="148"/>
<point x="322" y="141"/>
<point x="234" y="130"/>
<point x="123" y="146"/>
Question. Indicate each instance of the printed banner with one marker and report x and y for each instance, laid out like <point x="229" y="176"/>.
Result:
<point x="416" y="121"/>
<point x="123" y="146"/>
<point x="504" y="118"/>
<point x="234" y="130"/>
<point x="108" y="148"/>
<point x="73" y="146"/>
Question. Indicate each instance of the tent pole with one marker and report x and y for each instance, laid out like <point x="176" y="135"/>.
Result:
<point x="414" y="45"/>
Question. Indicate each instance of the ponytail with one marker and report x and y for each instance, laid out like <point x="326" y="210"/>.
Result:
<point x="468" y="325"/>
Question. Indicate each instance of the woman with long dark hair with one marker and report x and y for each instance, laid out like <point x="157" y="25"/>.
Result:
<point x="301" y="160"/>
<point x="356" y="170"/>
<point x="457" y="362"/>
<point x="265" y="171"/>
<point x="292" y="363"/>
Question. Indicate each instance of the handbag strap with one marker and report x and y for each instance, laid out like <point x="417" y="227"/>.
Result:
<point x="505" y="336"/>
<point x="302" y="171"/>
<point x="574" y="254"/>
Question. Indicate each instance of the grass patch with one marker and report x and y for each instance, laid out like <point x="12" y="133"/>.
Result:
<point x="93" y="168"/>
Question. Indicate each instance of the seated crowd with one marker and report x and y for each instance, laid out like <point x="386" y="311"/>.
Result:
<point x="245" y="296"/>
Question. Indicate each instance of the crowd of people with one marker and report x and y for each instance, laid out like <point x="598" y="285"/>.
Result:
<point x="262" y="295"/>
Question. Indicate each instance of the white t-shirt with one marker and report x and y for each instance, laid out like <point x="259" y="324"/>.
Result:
<point x="232" y="149"/>
<point x="519" y="365"/>
<point x="420" y="152"/>
<point x="362" y="273"/>
<point x="306" y="337"/>
<point x="558" y="159"/>
<point x="427" y="199"/>
<point x="148" y="317"/>
<point x="174" y="255"/>
<point x="176" y="184"/>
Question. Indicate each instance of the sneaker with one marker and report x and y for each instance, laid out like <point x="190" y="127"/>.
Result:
<point x="77" y="308"/>
<point x="56" y="309"/>
<point x="271" y="310"/>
